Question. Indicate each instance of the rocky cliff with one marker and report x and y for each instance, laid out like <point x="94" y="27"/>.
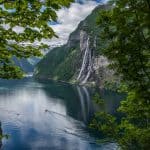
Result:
<point x="80" y="60"/>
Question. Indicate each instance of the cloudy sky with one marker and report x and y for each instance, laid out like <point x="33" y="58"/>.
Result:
<point x="69" y="18"/>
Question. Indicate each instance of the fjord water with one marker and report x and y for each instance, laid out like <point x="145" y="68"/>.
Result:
<point x="48" y="115"/>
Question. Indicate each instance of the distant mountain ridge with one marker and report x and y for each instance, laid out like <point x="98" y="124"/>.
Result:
<point x="27" y="65"/>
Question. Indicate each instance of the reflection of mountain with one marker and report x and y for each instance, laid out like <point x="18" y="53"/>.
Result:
<point x="50" y="114"/>
<point x="81" y="97"/>
<point x="111" y="101"/>
<point x="77" y="99"/>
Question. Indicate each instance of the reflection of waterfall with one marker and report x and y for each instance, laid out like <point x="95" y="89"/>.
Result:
<point x="84" y="97"/>
<point x="87" y="98"/>
<point x="86" y="68"/>
<point x="81" y="96"/>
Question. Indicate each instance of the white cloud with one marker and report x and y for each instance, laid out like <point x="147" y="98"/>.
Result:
<point x="18" y="29"/>
<point x="69" y="20"/>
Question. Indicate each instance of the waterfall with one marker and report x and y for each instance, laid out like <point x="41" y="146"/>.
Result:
<point x="89" y="69"/>
<point x="84" y="59"/>
<point x="87" y="63"/>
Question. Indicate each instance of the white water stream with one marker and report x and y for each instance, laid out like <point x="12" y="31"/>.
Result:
<point x="85" y="59"/>
<point x="87" y="65"/>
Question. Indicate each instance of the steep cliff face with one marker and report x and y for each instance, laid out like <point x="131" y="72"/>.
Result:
<point x="80" y="60"/>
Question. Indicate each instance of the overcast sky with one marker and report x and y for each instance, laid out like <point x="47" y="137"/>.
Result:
<point x="69" y="18"/>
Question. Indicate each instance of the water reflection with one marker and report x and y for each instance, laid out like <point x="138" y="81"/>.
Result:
<point x="76" y="99"/>
<point x="85" y="102"/>
<point x="0" y="135"/>
<point x="47" y="115"/>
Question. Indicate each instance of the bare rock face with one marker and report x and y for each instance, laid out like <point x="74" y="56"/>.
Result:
<point x="94" y="69"/>
<point x="102" y="72"/>
<point x="83" y="40"/>
<point x="100" y="61"/>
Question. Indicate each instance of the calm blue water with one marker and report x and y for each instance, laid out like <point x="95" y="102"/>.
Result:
<point x="45" y="115"/>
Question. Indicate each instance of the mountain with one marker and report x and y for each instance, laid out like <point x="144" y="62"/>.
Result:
<point x="80" y="60"/>
<point x="27" y="65"/>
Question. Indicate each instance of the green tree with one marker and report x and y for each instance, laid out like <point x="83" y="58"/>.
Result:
<point x="34" y="16"/>
<point x="126" y="29"/>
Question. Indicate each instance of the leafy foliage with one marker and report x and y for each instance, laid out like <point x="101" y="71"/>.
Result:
<point x="33" y="17"/>
<point x="127" y="27"/>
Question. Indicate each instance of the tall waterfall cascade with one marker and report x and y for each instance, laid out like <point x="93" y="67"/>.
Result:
<point x="87" y="64"/>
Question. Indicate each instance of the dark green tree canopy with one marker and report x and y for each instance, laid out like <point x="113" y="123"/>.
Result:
<point x="33" y="16"/>
<point x="126" y="30"/>
<point x="127" y="27"/>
